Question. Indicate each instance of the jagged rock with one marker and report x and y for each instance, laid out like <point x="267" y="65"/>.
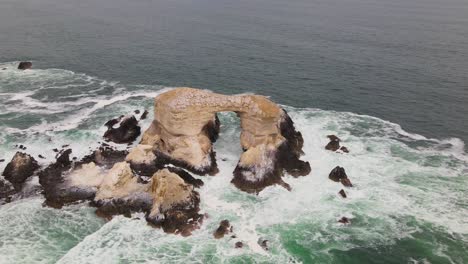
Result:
<point x="186" y="125"/>
<point x="263" y="243"/>
<point x="223" y="229"/>
<point x="105" y="156"/>
<point x="344" y="220"/>
<point x="143" y="160"/>
<point x="127" y="131"/>
<point x="334" y="143"/>
<point x="239" y="244"/>
<point x="58" y="183"/>
<point x="21" y="167"/>
<point x="144" y="115"/>
<point x="342" y="193"/>
<point x="175" y="204"/>
<point x="119" y="182"/>
<point x="24" y="65"/>
<point x="120" y="192"/>
<point x="338" y="174"/>
<point x="6" y="189"/>
<point x="344" y="149"/>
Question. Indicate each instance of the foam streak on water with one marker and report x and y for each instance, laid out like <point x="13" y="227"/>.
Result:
<point x="409" y="202"/>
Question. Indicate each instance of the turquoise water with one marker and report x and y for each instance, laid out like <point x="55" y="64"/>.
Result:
<point x="409" y="203"/>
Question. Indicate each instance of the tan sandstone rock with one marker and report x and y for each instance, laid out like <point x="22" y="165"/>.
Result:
<point x="185" y="124"/>
<point x="119" y="182"/>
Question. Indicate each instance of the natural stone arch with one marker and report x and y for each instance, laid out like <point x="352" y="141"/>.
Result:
<point x="185" y="126"/>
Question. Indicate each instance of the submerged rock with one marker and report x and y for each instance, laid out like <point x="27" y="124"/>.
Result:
<point x="21" y="167"/>
<point x="338" y="174"/>
<point x="223" y="229"/>
<point x="344" y="220"/>
<point x="263" y="243"/>
<point x="344" y="149"/>
<point x="24" y="65"/>
<point x="127" y="131"/>
<point x="239" y="245"/>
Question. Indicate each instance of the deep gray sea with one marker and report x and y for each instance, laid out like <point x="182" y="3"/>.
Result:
<point x="390" y="77"/>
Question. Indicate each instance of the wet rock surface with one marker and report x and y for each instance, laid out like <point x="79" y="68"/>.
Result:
<point x="21" y="167"/>
<point x="127" y="131"/>
<point x="338" y="174"/>
<point x="223" y="229"/>
<point x="24" y="65"/>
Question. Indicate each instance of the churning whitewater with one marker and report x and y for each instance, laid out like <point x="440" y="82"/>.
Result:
<point x="409" y="191"/>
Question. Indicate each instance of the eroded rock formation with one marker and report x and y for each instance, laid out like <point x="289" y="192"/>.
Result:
<point x="150" y="178"/>
<point x="21" y="167"/>
<point x="186" y="125"/>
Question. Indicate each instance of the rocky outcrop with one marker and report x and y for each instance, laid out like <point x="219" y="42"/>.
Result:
<point x="334" y="144"/>
<point x="175" y="204"/>
<point x="126" y="131"/>
<point x="6" y="190"/>
<point x="186" y="125"/>
<point x="223" y="229"/>
<point x="338" y="174"/>
<point x="24" y="65"/>
<point x="21" y="167"/>
<point x="62" y="186"/>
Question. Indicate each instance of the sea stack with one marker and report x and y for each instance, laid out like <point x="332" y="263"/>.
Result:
<point x="185" y="125"/>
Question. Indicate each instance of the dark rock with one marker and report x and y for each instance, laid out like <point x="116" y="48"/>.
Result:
<point x="223" y="229"/>
<point x="56" y="192"/>
<point x="40" y="156"/>
<point x="285" y="158"/>
<point x="211" y="129"/>
<point x="55" y="150"/>
<point x="344" y="220"/>
<point x="137" y="112"/>
<point x="65" y="146"/>
<point x="263" y="243"/>
<point x="6" y="189"/>
<point x="163" y="159"/>
<point x="19" y="169"/>
<point x="2" y="160"/>
<point x="344" y="149"/>
<point x="122" y="206"/>
<point x="127" y="131"/>
<point x="144" y="115"/>
<point x="334" y="143"/>
<point x="105" y="156"/>
<point x="346" y="182"/>
<point x="342" y="193"/>
<point x="24" y="65"/>
<point x="180" y="219"/>
<point x="338" y="174"/>
<point x="197" y="183"/>
<point x="239" y="244"/>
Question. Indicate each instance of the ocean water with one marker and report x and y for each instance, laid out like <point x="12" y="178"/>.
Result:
<point x="388" y="77"/>
<point x="409" y="203"/>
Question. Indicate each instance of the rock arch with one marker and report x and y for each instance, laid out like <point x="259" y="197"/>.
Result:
<point x="185" y="126"/>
